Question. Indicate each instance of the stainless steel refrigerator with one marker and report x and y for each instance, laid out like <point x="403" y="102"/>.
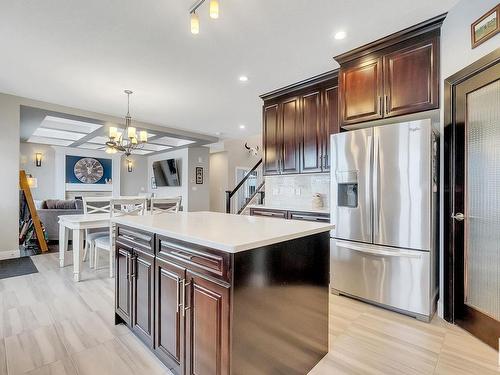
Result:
<point x="384" y="197"/>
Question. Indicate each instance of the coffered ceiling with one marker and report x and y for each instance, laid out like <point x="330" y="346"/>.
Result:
<point x="83" y="54"/>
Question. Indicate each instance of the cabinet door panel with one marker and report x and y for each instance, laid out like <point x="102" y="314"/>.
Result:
<point x="311" y="133"/>
<point x="411" y="79"/>
<point x="331" y="125"/>
<point x="142" y="295"/>
<point x="169" y="323"/>
<point x="361" y="91"/>
<point x="122" y="283"/>
<point x="290" y="129"/>
<point x="272" y="142"/>
<point x="207" y="327"/>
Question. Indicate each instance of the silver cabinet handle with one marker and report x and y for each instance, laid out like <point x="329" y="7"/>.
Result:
<point x="184" y="307"/>
<point x="458" y="217"/>
<point x="177" y="298"/>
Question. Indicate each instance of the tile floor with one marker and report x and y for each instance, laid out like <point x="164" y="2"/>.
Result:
<point x="51" y="325"/>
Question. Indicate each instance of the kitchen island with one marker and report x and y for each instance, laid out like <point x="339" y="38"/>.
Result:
<point x="213" y="293"/>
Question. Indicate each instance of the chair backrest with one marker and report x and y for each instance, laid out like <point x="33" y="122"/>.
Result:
<point x="128" y="206"/>
<point x="96" y="205"/>
<point x="160" y="205"/>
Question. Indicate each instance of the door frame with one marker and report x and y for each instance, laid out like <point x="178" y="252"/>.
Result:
<point x="451" y="277"/>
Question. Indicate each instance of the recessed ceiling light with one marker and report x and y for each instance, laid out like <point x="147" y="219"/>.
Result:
<point x="340" y="35"/>
<point x="242" y="126"/>
<point x="243" y="79"/>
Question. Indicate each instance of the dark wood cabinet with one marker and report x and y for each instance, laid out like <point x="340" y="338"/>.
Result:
<point x="142" y="276"/>
<point x="297" y="123"/>
<point x="361" y="91"/>
<point x="207" y="325"/>
<point x="411" y="81"/>
<point x="321" y="217"/>
<point x="312" y="135"/>
<point x="169" y="314"/>
<point x="123" y="292"/>
<point x="396" y="75"/>
<point x="271" y="141"/>
<point x="290" y="130"/>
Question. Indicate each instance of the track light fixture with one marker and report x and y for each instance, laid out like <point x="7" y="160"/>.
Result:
<point x="195" y="20"/>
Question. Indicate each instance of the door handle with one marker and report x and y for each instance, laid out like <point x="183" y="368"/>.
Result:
<point x="458" y="217"/>
<point x="183" y="304"/>
<point x="177" y="298"/>
<point x="380" y="106"/>
<point x="386" y="104"/>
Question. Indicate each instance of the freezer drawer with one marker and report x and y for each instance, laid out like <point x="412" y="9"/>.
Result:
<point x="395" y="277"/>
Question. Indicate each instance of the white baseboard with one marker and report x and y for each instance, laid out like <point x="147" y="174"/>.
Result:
<point x="10" y="254"/>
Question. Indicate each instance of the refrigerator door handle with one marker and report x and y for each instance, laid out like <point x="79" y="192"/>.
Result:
<point x="375" y="187"/>
<point x="380" y="251"/>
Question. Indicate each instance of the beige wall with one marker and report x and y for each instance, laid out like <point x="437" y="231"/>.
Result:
<point x="223" y="164"/>
<point x="45" y="174"/>
<point x="135" y="182"/>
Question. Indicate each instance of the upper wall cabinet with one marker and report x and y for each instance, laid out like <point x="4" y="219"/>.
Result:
<point x="297" y="123"/>
<point x="393" y="76"/>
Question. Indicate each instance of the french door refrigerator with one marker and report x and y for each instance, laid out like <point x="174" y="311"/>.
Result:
<point x="384" y="196"/>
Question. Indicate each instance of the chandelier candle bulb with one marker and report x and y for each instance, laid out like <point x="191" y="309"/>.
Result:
<point x="132" y="132"/>
<point x="195" y="24"/>
<point x="113" y="132"/>
<point x="143" y="136"/>
<point x="214" y="9"/>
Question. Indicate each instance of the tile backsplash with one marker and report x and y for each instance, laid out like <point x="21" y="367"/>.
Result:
<point x="296" y="191"/>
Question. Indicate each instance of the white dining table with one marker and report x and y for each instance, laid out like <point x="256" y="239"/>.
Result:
<point x="78" y="224"/>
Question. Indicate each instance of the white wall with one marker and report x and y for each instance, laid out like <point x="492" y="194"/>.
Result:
<point x="456" y="53"/>
<point x="45" y="174"/>
<point x="218" y="181"/>
<point x="135" y="182"/>
<point x="194" y="197"/>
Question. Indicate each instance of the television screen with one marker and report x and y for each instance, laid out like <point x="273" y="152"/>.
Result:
<point x="165" y="172"/>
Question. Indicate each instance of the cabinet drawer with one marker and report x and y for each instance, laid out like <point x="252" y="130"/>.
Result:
<point x="308" y="216"/>
<point x="282" y="214"/>
<point x="199" y="258"/>
<point x="135" y="238"/>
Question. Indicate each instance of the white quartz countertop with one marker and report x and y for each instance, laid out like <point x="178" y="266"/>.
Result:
<point x="229" y="233"/>
<point x="290" y="208"/>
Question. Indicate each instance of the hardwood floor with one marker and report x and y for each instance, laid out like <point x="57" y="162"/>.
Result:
<point x="51" y="325"/>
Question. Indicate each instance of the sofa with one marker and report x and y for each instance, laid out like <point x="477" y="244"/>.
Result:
<point x="50" y="211"/>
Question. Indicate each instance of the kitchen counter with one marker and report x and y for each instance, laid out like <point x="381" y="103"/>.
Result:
<point x="213" y="293"/>
<point x="290" y="208"/>
<point x="228" y="233"/>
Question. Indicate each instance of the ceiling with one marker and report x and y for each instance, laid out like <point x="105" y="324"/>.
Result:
<point x="60" y="129"/>
<point x="83" y="54"/>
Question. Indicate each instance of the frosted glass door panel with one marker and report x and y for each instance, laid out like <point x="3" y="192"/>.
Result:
<point x="482" y="224"/>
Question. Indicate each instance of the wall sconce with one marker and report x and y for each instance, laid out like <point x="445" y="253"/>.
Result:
<point x="32" y="181"/>
<point x="129" y="165"/>
<point x="38" y="159"/>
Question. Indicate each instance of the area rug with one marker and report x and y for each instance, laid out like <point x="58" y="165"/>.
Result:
<point x="16" y="267"/>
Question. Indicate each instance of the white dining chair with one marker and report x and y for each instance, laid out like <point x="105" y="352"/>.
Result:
<point x="161" y="205"/>
<point x="118" y="207"/>
<point x="94" y="205"/>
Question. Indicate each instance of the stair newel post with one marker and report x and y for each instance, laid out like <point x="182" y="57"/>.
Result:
<point x="228" y="201"/>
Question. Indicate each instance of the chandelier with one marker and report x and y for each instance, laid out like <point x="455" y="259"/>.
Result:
<point x="126" y="141"/>
<point x="195" y="20"/>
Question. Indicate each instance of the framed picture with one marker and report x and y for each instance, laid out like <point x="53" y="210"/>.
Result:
<point x="199" y="175"/>
<point x="153" y="183"/>
<point x="485" y="27"/>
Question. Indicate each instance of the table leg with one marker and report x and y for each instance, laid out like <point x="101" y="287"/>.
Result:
<point x="63" y="244"/>
<point x="77" y="252"/>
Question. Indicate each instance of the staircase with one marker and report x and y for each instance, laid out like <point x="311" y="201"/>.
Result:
<point x="250" y="190"/>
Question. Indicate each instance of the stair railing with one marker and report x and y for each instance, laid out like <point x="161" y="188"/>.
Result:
<point x="231" y="193"/>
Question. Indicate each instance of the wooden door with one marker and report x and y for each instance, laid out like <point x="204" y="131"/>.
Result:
<point x="169" y="321"/>
<point x="411" y="79"/>
<point x="361" y="90"/>
<point x="272" y="143"/>
<point x="312" y="135"/>
<point x="290" y="131"/>
<point x="331" y="122"/>
<point x="142" y="276"/>
<point x="207" y="326"/>
<point x="123" y="292"/>
<point x="472" y="227"/>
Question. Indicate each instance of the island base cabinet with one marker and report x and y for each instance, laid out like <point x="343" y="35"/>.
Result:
<point x="207" y="326"/>
<point x="123" y="256"/>
<point x="169" y="328"/>
<point x="142" y="276"/>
